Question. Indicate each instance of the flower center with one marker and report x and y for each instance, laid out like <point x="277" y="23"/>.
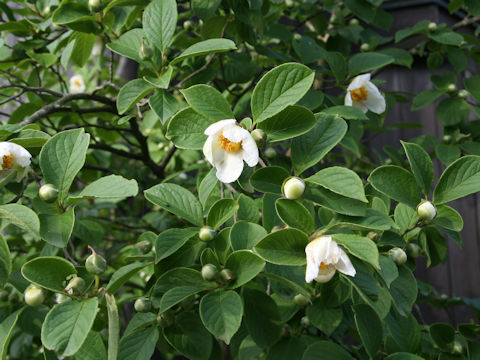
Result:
<point x="360" y="94"/>
<point x="78" y="83"/>
<point x="228" y="145"/>
<point x="323" y="266"/>
<point x="7" y="161"/>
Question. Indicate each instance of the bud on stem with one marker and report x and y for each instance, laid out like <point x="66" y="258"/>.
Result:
<point x="95" y="264"/>
<point x="293" y="188"/>
<point x="206" y="234"/>
<point x="143" y="305"/>
<point x="397" y="255"/>
<point x="48" y="193"/>
<point x="34" y="295"/>
<point x="426" y="211"/>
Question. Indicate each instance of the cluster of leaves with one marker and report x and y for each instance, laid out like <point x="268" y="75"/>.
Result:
<point x="124" y="155"/>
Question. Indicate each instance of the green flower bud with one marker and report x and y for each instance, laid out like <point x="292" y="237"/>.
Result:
<point x="95" y="264"/>
<point x="165" y="320"/>
<point x="432" y="26"/>
<point x="297" y="37"/>
<point x="259" y="136"/>
<point x="270" y="152"/>
<point x="75" y="286"/>
<point x="206" y="234"/>
<point x="457" y="348"/>
<point x="372" y="235"/>
<point x="60" y="298"/>
<point x="305" y="322"/>
<point x="301" y="300"/>
<point x="293" y="188"/>
<point x="397" y="255"/>
<point x="227" y="276"/>
<point x="365" y="47"/>
<point x="144" y="246"/>
<point x="426" y="211"/>
<point x="209" y="272"/>
<point x="413" y="250"/>
<point x="463" y="94"/>
<point x="187" y="25"/>
<point x="48" y="193"/>
<point x="143" y="305"/>
<point x="447" y="138"/>
<point x="95" y="5"/>
<point x="388" y="161"/>
<point x="289" y="3"/>
<point x="451" y="88"/>
<point x="145" y="51"/>
<point x="353" y="22"/>
<point x="34" y="295"/>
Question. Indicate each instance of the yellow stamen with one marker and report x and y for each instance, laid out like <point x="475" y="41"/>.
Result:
<point x="360" y="94"/>
<point x="78" y="83"/>
<point x="7" y="161"/>
<point x="323" y="266"/>
<point x="228" y="145"/>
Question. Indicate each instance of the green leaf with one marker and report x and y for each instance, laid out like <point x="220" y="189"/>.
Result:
<point x="180" y="275"/>
<point x="5" y="262"/>
<point x="131" y="93"/>
<point x="174" y="296"/>
<point x="245" y="235"/>
<point x="402" y="57"/>
<point x="291" y="122"/>
<point x="21" y="216"/>
<point x="221" y="313"/>
<point x="328" y="350"/>
<point x="177" y="200"/>
<point x="56" y="229"/>
<point x="446" y="37"/>
<point x="443" y="335"/>
<point x="205" y="47"/>
<point x="403" y="356"/>
<point x="169" y="241"/>
<point x="138" y="345"/>
<point x="425" y="98"/>
<point x="295" y="215"/>
<point x="159" y="22"/>
<point x="448" y="218"/>
<point x="472" y="84"/>
<point x="206" y="187"/>
<point x="221" y="211"/>
<point x="245" y="265"/>
<point x="82" y="50"/>
<point x="340" y="180"/>
<point x="164" y="105"/>
<point x="284" y="247"/>
<point x="397" y="183"/>
<point x="208" y="102"/>
<point x="128" y="44"/>
<point x="310" y="148"/>
<point x="109" y="187"/>
<point x="186" y="129"/>
<point x="421" y="165"/>
<point x="359" y="246"/>
<point x="452" y="111"/>
<point x="69" y="13"/>
<point x="369" y="328"/>
<point x="62" y="157"/>
<point x="324" y="318"/>
<point x="447" y="153"/>
<point x="49" y="272"/>
<point x="364" y="62"/>
<point x="404" y="290"/>
<point x="67" y="325"/>
<point x="122" y="275"/>
<point x="335" y="202"/>
<point x="205" y="9"/>
<point x="373" y="220"/>
<point x="460" y="179"/>
<point x="92" y="348"/>
<point x="284" y="85"/>
<point x="6" y="330"/>
<point x="269" y="179"/>
<point x="346" y="112"/>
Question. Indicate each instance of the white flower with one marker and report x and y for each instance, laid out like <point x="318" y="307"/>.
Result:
<point x="324" y="257"/>
<point x="426" y="211"/>
<point x="97" y="47"/>
<point x="13" y="157"/>
<point x="76" y="84"/>
<point x="363" y="94"/>
<point x="227" y="146"/>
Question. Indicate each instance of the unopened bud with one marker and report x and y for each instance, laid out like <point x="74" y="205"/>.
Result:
<point x="293" y="188"/>
<point x="165" y="320"/>
<point x="432" y="26"/>
<point x="426" y="211"/>
<point x="206" y="234"/>
<point x="187" y="25"/>
<point x="34" y="295"/>
<point x="144" y="246"/>
<point x="75" y="286"/>
<point x="388" y="161"/>
<point x="451" y="88"/>
<point x="372" y="235"/>
<point x="48" y="193"/>
<point x="259" y="136"/>
<point x="365" y="47"/>
<point x="353" y="22"/>
<point x="227" y="276"/>
<point x="301" y="300"/>
<point x="457" y="348"/>
<point x="289" y="3"/>
<point x="463" y="94"/>
<point x="60" y="298"/>
<point x="143" y="305"/>
<point x="95" y="5"/>
<point x="95" y="264"/>
<point x="413" y="250"/>
<point x="209" y="272"/>
<point x="297" y="37"/>
<point x="305" y="322"/>
<point x="145" y="51"/>
<point x="270" y="152"/>
<point x="447" y="138"/>
<point x="397" y="255"/>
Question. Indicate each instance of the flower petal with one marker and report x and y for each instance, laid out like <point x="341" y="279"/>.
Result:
<point x="21" y="156"/>
<point x="359" y="81"/>
<point x="216" y="127"/>
<point x="360" y="105"/>
<point x="375" y="101"/>
<point x="230" y="169"/>
<point x="344" y="265"/>
<point x="348" y="99"/>
<point x="235" y="133"/>
<point x="325" y="275"/>
<point x="250" y="151"/>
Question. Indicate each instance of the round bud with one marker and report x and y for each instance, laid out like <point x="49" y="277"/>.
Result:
<point x="60" y="298"/>
<point x="48" y="193"/>
<point x="75" y="286"/>
<point x="305" y="321"/>
<point x="297" y="37"/>
<point x="46" y="11"/>
<point x="145" y="51"/>
<point x="388" y="161"/>
<point x="95" y="5"/>
<point x="143" y="305"/>
<point x="397" y="255"/>
<point x="447" y="138"/>
<point x="451" y="88"/>
<point x="301" y="300"/>
<point x="187" y="25"/>
<point x="34" y="295"/>
<point x="426" y="211"/>
<point x="259" y="136"/>
<point x="457" y="348"/>
<point x="413" y="250"/>
<point x="372" y="235"/>
<point x="463" y="94"/>
<point x="227" y="276"/>
<point x="289" y="3"/>
<point x="365" y="47"/>
<point x="432" y="26"/>
<point x="270" y="152"/>
<point x="144" y="246"/>
<point x="165" y="320"/>
<point x="209" y="272"/>
<point x="353" y="22"/>
<point x="293" y="188"/>
<point x="206" y="234"/>
<point x="95" y="264"/>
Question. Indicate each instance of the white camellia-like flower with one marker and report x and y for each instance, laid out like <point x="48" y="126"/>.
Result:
<point x="13" y="158"/>
<point x="227" y="147"/>
<point x="77" y="85"/>
<point x="363" y="94"/>
<point x="324" y="258"/>
<point x="426" y="211"/>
